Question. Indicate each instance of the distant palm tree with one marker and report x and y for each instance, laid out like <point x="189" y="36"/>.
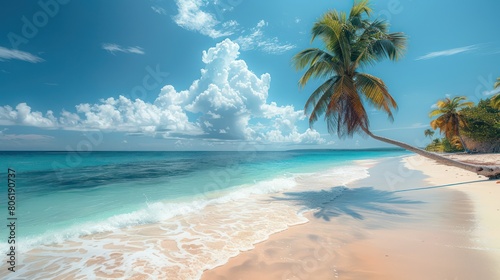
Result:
<point x="450" y="120"/>
<point x="495" y="100"/>
<point x="429" y="133"/>
<point x="352" y="41"/>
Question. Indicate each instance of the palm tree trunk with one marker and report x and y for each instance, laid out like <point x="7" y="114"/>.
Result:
<point x="491" y="172"/>
<point x="463" y="144"/>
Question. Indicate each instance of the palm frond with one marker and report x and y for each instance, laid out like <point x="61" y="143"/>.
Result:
<point x="321" y="104"/>
<point x="346" y="114"/>
<point x="436" y="112"/>
<point x="391" y="47"/>
<point x="360" y="8"/>
<point x="449" y="119"/>
<point x="334" y="31"/>
<point x="495" y="101"/>
<point x="375" y="44"/>
<point x="322" y="91"/>
<point x="322" y="64"/>
<point x="303" y="58"/>
<point x="376" y="93"/>
<point x="350" y="40"/>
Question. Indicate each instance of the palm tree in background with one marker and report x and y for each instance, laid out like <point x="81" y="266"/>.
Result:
<point x="429" y="133"/>
<point x="352" y="41"/>
<point x="495" y="100"/>
<point x="449" y="120"/>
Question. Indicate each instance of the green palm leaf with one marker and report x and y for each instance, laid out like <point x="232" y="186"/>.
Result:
<point x="351" y="40"/>
<point x="495" y="101"/>
<point x="376" y="93"/>
<point x="449" y="119"/>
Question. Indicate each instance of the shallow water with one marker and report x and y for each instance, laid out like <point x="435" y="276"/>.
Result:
<point x="159" y="215"/>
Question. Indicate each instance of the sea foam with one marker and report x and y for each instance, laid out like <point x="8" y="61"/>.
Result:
<point x="181" y="238"/>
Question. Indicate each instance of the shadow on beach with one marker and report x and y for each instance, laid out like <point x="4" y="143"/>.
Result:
<point x="354" y="202"/>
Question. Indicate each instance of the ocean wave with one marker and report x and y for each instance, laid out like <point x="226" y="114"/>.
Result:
<point x="182" y="238"/>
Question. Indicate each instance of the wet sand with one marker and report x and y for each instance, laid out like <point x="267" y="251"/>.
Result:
<point x="411" y="219"/>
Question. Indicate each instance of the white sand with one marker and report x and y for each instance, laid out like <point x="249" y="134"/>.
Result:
<point x="393" y="225"/>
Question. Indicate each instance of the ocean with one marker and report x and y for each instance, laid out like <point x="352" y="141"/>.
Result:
<point x="157" y="215"/>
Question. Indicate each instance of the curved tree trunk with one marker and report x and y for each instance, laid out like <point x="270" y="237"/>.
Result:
<point x="463" y="144"/>
<point x="491" y="172"/>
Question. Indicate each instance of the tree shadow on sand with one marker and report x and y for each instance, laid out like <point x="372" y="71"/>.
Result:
<point x="345" y="201"/>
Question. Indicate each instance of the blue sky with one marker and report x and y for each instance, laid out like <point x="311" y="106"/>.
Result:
<point x="216" y="75"/>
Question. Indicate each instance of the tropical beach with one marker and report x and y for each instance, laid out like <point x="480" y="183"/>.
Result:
<point x="368" y="215"/>
<point x="438" y="223"/>
<point x="222" y="140"/>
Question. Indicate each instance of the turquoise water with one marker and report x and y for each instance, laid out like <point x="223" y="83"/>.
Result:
<point x="159" y="215"/>
<point x="59" y="192"/>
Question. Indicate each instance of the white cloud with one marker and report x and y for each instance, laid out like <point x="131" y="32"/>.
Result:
<point x="112" y="48"/>
<point x="123" y="114"/>
<point x="231" y="98"/>
<point x="257" y="40"/>
<point x="230" y="24"/>
<point x="26" y="137"/>
<point x="491" y="92"/>
<point x="448" y="52"/>
<point x="191" y="17"/>
<point x="227" y="102"/>
<point x="22" y="115"/>
<point x="413" y="126"/>
<point x="6" y="54"/>
<point x="308" y="137"/>
<point x="159" y="10"/>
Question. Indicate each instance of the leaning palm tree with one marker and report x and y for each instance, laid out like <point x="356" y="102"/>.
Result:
<point x="429" y="133"/>
<point x="449" y="119"/>
<point x="352" y="41"/>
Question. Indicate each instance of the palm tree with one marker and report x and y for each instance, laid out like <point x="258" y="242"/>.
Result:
<point x="352" y="41"/>
<point x="495" y="100"/>
<point x="449" y="120"/>
<point x="429" y="133"/>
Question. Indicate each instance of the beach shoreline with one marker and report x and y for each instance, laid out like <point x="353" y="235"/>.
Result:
<point x="411" y="219"/>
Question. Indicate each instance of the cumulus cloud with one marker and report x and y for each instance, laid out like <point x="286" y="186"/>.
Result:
<point x="227" y="102"/>
<point x="22" y="115"/>
<point x="191" y="17"/>
<point x="112" y="48"/>
<point x="6" y="54"/>
<point x="121" y="114"/>
<point x="257" y="40"/>
<point x="232" y="101"/>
